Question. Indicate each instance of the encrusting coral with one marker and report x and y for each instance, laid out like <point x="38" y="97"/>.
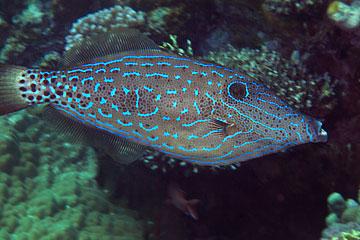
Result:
<point x="47" y="187"/>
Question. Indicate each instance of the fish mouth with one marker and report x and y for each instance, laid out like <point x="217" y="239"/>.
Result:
<point x="321" y="134"/>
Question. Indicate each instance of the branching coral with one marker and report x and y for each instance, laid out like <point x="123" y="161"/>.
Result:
<point x="103" y="21"/>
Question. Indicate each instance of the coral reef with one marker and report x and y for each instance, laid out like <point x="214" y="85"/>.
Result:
<point x="27" y="26"/>
<point x="289" y="79"/>
<point x="103" y="21"/>
<point x="343" y="222"/>
<point x="343" y="15"/>
<point x="48" y="189"/>
<point x="290" y="7"/>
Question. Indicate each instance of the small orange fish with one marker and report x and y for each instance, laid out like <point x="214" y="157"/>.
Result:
<point x="177" y="198"/>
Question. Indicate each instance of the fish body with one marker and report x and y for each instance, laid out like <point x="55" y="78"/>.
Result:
<point x="189" y="109"/>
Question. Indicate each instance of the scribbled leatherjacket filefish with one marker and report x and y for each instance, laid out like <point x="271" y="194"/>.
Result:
<point x="120" y="92"/>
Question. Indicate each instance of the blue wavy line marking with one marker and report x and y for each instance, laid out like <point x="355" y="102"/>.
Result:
<point x="300" y="137"/>
<point x="166" y="118"/>
<point x="73" y="77"/>
<point x="127" y="113"/>
<point x="292" y="114"/>
<point x="153" y="139"/>
<point x="192" y="136"/>
<point x="136" y="133"/>
<point x="196" y="107"/>
<point x="158" y="97"/>
<point x="307" y="130"/>
<point x="131" y="73"/>
<point x="147" y="64"/>
<point x="103" y="100"/>
<point x="165" y="145"/>
<point x="196" y="92"/>
<point x="131" y="63"/>
<point x="189" y="81"/>
<point x="229" y="70"/>
<point x="87" y="107"/>
<point x="213" y="131"/>
<point x="177" y="77"/>
<point x="257" y="140"/>
<point x="115" y="107"/>
<point x="115" y="69"/>
<point x="86" y="94"/>
<point x="104" y="115"/>
<point x="137" y="98"/>
<point x="166" y="134"/>
<point x="216" y="72"/>
<point x="59" y="84"/>
<point x="92" y="115"/>
<point x="73" y="88"/>
<point x="126" y="90"/>
<point x="69" y="100"/>
<point x="112" y="93"/>
<point x="148" y="89"/>
<point x="96" y="87"/>
<point x="184" y="89"/>
<point x="148" y="129"/>
<point x="149" y="114"/>
<point x="197" y="121"/>
<point x="185" y="110"/>
<point x="86" y="79"/>
<point x="209" y="96"/>
<point x="171" y="91"/>
<point x="100" y="70"/>
<point x="203" y="64"/>
<point x="164" y="63"/>
<point x="156" y="74"/>
<point x="291" y="123"/>
<point x="80" y="70"/>
<point x="188" y="150"/>
<point x="175" y="135"/>
<point x="273" y="103"/>
<point x="174" y="104"/>
<point x="261" y="93"/>
<point x="194" y="72"/>
<point x="181" y="66"/>
<point x="124" y="124"/>
<point x="108" y="79"/>
<point x="209" y="83"/>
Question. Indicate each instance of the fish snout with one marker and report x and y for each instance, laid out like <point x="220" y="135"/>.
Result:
<point x="320" y="134"/>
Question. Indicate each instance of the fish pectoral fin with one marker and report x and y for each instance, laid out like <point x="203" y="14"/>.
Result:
<point x="120" y="149"/>
<point x="220" y="126"/>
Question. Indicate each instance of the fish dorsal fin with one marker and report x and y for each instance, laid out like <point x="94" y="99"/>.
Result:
<point x="121" y="150"/>
<point x="110" y="43"/>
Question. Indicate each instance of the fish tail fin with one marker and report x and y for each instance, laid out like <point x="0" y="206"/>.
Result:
<point x="13" y="96"/>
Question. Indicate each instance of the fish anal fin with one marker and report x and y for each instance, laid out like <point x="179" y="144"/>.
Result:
<point x="121" y="150"/>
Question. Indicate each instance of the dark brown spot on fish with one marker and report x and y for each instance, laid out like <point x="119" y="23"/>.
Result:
<point x="23" y="95"/>
<point x="78" y="95"/>
<point x="46" y="82"/>
<point x="22" y="89"/>
<point x="52" y="96"/>
<point x="58" y="92"/>
<point x="38" y="98"/>
<point x="61" y="87"/>
<point x="47" y="100"/>
<point x="30" y="97"/>
<point x="46" y="93"/>
<point x="53" y="80"/>
<point x="33" y="87"/>
<point x="64" y="79"/>
<point x="22" y="81"/>
<point x="69" y="94"/>
<point x="32" y="76"/>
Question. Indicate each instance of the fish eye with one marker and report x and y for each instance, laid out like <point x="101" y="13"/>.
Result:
<point x="237" y="90"/>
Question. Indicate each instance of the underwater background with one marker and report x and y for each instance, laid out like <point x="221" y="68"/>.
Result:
<point x="307" y="52"/>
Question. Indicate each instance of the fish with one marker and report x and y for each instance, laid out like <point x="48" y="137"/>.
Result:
<point x="177" y="199"/>
<point x="120" y="92"/>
